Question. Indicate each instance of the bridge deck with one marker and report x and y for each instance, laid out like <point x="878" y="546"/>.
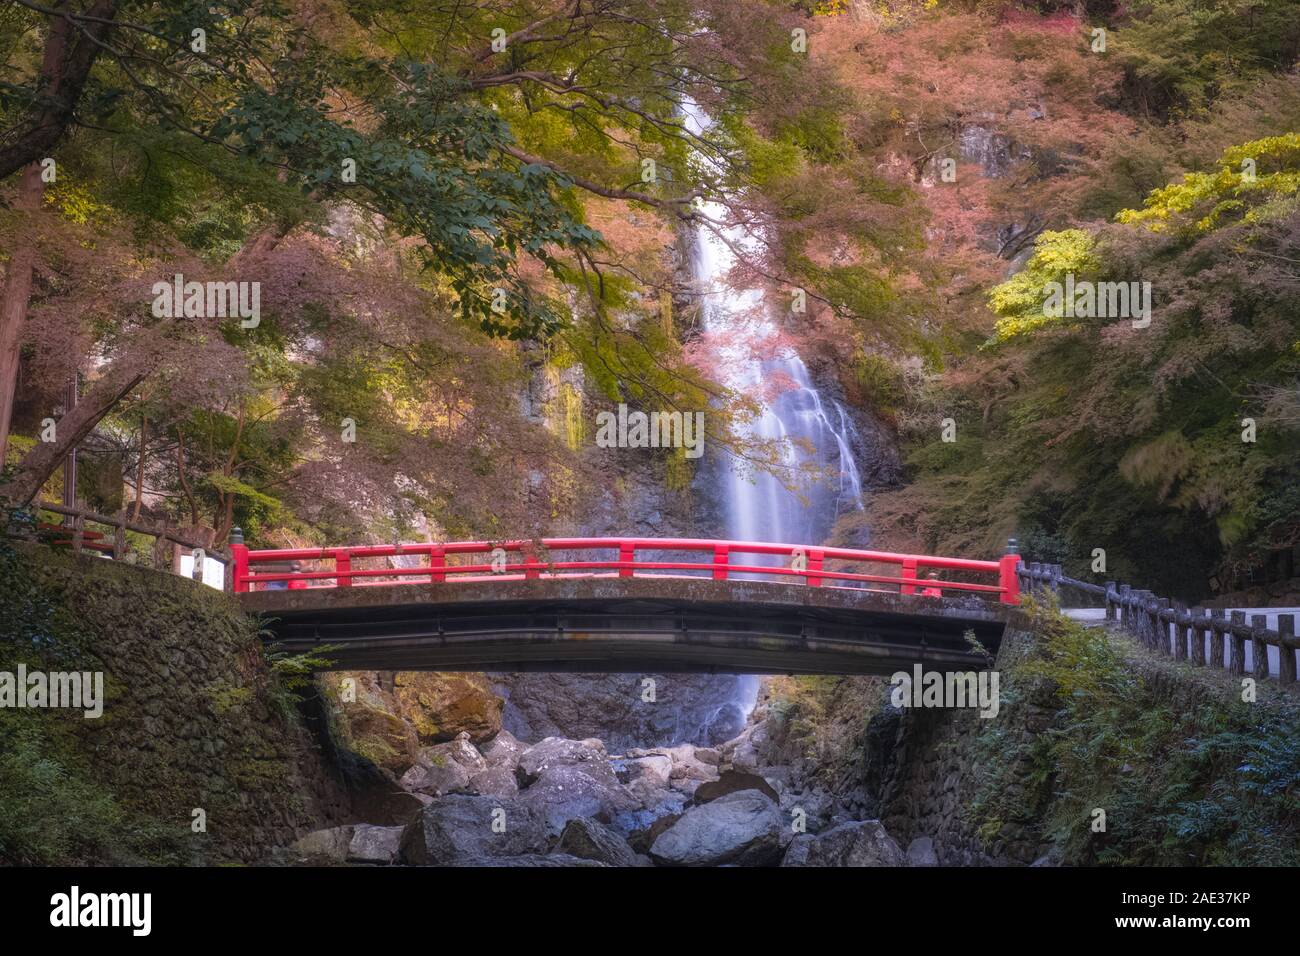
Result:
<point x="650" y="623"/>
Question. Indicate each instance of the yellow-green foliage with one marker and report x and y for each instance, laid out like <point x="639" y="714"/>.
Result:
<point x="1020" y="300"/>
<point x="1248" y="177"/>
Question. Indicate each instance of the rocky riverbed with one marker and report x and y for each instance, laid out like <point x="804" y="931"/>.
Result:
<point x="569" y="802"/>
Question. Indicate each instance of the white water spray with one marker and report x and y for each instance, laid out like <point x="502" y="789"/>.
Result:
<point x="758" y="505"/>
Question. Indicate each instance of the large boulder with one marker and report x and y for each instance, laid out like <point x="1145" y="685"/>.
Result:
<point x="371" y="844"/>
<point x="561" y="752"/>
<point x="460" y="751"/>
<point x="569" y="791"/>
<point x="445" y="768"/>
<point x="462" y="828"/>
<point x="748" y="751"/>
<point x="641" y="839"/>
<point x="504" y="750"/>
<point x="690" y="766"/>
<point x="441" y="706"/>
<point x="858" y="843"/>
<point x="742" y="828"/>
<point x="494" y="782"/>
<point x="381" y="737"/>
<point x="436" y="779"/>
<point x="590" y="840"/>
<point x="654" y="769"/>
<point x="733" y="781"/>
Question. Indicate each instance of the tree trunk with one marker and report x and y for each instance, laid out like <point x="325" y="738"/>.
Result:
<point x="36" y="468"/>
<point x="70" y="51"/>
<point x="139" y="468"/>
<point x="18" y="293"/>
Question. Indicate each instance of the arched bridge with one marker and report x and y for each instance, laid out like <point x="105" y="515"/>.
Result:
<point x="629" y="605"/>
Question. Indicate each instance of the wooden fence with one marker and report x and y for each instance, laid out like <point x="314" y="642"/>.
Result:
<point x="1206" y="637"/>
<point x="114" y="544"/>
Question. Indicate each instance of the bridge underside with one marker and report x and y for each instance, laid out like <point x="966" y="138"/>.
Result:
<point x="630" y="625"/>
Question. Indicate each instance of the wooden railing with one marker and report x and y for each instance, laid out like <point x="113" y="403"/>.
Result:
<point x="1206" y="637"/>
<point x="113" y="542"/>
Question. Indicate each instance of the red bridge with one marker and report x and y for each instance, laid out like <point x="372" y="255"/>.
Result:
<point x="629" y="605"/>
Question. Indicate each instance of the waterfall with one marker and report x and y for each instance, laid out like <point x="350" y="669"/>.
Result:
<point x="813" y="431"/>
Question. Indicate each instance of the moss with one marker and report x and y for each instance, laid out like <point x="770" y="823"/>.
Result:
<point x="189" y="721"/>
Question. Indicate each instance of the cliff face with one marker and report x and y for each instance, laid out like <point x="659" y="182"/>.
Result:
<point x="199" y="756"/>
<point x="624" y="710"/>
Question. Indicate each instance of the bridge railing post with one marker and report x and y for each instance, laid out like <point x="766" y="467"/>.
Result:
<point x="438" y="564"/>
<point x="1180" y="631"/>
<point x="909" y="574"/>
<point x="1152" y="605"/>
<point x="1258" y="649"/>
<point x="239" y="562"/>
<point x="1238" y="619"/>
<point x="720" y="560"/>
<point x="1008" y="573"/>
<point x="1161" y="620"/>
<point x="1218" y="639"/>
<point x="343" y="569"/>
<point x="813" y="577"/>
<point x="1286" y="669"/>
<point x="1198" y="637"/>
<point x="626" y="558"/>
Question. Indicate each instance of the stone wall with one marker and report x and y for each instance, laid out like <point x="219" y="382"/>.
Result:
<point x="193" y="718"/>
<point x="926" y="766"/>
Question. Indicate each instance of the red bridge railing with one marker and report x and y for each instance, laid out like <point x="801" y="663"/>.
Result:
<point x="622" y="557"/>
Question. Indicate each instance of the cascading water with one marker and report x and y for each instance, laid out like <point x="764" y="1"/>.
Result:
<point x="816" y="478"/>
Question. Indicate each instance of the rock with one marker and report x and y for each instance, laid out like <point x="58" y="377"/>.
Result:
<point x="331" y="844"/>
<point x="549" y="859"/>
<point x="504" y="750"/>
<point x="687" y="769"/>
<point x="860" y="843"/>
<point x="440" y="706"/>
<point x="816" y="804"/>
<point x="732" y="781"/>
<point x="381" y="737"/>
<point x="590" y="840"/>
<point x="460" y="751"/>
<point x="495" y="782"/>
<point x="651" y="795"/>
<point x="655" y="769"/>
<point x="641" y="840"/>
<point x="371" y="844"/>
<point x="743" y="828"/>
<point x="747" y="751"/>
<point x="561" y="752"/>
<point x="436" y="779"/>
<point x="920" y="852"/>
<point x="567" y="792"/>
<point x="461" y="828"/>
